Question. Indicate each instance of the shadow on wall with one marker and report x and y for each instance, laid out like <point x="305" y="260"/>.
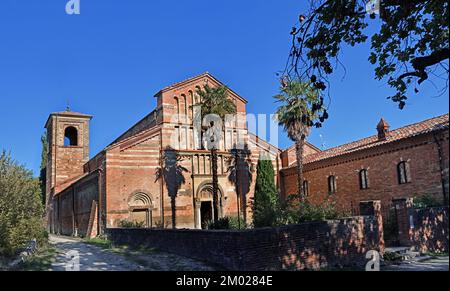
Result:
<point x="313" y="245"/>
<point x="430" y="232"/>
<point x="172" y="175"/>
<point x="240" y="169"/>
<point x="331" y="244"/>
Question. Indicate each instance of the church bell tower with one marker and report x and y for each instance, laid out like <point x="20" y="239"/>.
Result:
<point x="67" y="149"/>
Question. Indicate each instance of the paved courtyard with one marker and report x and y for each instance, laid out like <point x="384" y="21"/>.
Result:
<point x="431" y="264"/>
<point x="71" y="251"/>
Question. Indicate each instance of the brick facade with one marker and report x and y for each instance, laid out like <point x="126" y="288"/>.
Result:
<point x="125" y="185"/>
<point x="425" y="153"/>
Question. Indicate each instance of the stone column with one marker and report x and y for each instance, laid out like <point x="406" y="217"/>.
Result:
<point x="403" y="211"/>
<point x="373" y="208"/>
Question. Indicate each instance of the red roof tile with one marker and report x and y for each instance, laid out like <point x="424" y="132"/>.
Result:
<point x="423" y="127"/>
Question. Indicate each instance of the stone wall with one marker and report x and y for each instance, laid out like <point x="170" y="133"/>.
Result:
<point x="312" y="245"/>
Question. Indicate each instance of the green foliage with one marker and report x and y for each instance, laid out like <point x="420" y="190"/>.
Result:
<point x="214" y="100"/>
<point x="392" y="257"/>
<point x="131" y="224"/>
<point x="426" y="201"/>
<point x="43" y="169"/>
<point x="231" y="223"/>
<point x="266" y="196"/>
<point x="21" y="211"/>
<point x="293" y="211"/>
<point x="411" y="42"/>
<point x="300" y="109"/>
<point x="100" y="242"/>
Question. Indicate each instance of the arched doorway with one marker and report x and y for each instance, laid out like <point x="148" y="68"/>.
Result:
<point x="140" y="205"/>
<point x="204" y="205"/>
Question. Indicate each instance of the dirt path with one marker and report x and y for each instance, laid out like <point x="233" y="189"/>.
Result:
<point x="71" y="251"/>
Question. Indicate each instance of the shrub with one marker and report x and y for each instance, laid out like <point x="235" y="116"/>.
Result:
<point x="293" y="211"/>
<point x="21" y="210"/>
<point x="266" y="197"/>
<point x="131" y="224"/>
<point x="227" y="223"/>
<point x="426" y="201"/>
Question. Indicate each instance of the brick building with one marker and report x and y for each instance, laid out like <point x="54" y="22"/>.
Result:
<point x="159" y="174"/>
<point x="403" y="163"/>
<point x="122" y="182"/>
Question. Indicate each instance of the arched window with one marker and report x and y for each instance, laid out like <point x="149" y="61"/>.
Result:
<point x="305" y="190"/>
<point x="191" y="99"/>
<point x="70" y="136"/>
<point x="331" y="184"/>
<point x="363" y="179"/>
<point x="177" y="109"/>
<point x="403" y="173"/>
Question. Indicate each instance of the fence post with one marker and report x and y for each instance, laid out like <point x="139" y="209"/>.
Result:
<point x="373" y="208"/>
<point x="403" y="212"/>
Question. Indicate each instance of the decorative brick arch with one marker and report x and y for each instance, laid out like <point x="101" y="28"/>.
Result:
<point x="140" y="205"/>
<point x="204" y="195"/>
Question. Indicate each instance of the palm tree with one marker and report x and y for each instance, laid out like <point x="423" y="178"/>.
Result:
<point x="302" y="108"/>
<point x="214" y="104"/>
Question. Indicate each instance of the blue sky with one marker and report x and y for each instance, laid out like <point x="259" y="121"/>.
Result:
<point x="110" y="60"/>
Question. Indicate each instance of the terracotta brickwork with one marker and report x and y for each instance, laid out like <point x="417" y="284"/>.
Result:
<point x="307" y="246"/>
<point x="127" y="182"/>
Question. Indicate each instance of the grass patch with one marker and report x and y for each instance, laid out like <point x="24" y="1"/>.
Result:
<point x="40" y="261"/>
<point x="100" y="242"/>
<point x="437" y="255"/>
<point x="392" y="257"/>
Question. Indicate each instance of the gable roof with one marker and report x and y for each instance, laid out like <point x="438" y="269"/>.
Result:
<point x="199" y="77"/>
<point x="430" y="125"/>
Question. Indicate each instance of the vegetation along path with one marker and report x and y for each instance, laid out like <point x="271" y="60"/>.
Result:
<point x="101" y="256"/>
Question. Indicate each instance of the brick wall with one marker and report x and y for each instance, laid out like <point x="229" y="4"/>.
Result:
<point x="73" y="207"/>
<point x="296" y="247"/>
<point x="430" y="230"/>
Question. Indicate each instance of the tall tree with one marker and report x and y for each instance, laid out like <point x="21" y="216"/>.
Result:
<point x="302" y="107"/>
<point x="43" y="168"/>
<point x="266" y="195"/>
<point x="21" y="210"/>
<point x="410" y="46"/>
<point x="215" y="105"/>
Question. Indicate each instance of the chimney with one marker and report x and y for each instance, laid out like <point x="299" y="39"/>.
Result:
<point x="383" y="129"/>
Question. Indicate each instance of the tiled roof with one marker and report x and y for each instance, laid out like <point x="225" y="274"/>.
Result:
<point x="423" y="127"/>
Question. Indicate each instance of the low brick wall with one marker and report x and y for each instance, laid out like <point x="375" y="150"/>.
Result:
<point x="430" y="230"/>
<point x="295" y="247"/>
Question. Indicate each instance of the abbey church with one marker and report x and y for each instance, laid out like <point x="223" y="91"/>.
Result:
<point x="132" y="179"/>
